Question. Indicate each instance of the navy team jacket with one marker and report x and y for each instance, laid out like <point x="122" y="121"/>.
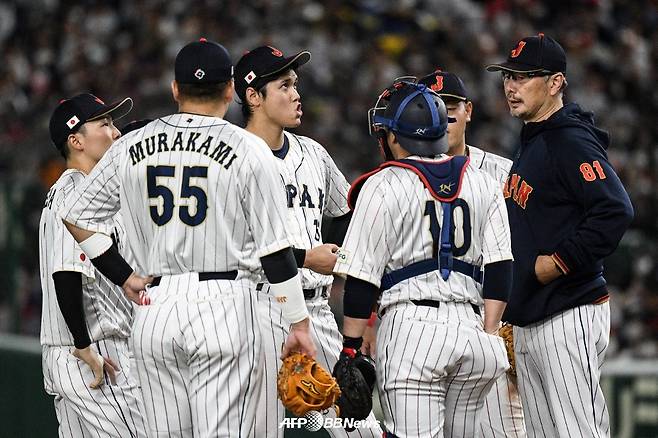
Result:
<point x="565" y="200"/>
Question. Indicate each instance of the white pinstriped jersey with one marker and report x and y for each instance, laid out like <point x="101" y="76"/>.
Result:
<point x="314" y="187"/>
<point x="496" y="166"/>
<point x="198" y="193"/>
<point x="107" y="311"/>
<point x="390" y="230"/>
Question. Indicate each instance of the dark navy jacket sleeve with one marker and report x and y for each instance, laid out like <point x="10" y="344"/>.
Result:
<point x="583" y="169"/>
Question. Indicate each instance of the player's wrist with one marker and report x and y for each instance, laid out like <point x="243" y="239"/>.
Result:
<point x="373" y="319"/>
<point x="559" y="267"/>
<point x="304" y="325"/>
<point x="352" y="345"/>
<point x="81" y="344"/>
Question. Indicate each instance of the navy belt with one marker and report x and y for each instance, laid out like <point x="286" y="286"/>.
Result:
<point x="432" y="303"/>
<point x="437" y="304"/>
<point x="309" y="294"/>
<point x="205" y="276"/>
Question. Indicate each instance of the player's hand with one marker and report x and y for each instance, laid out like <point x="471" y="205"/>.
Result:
<point x="322" y="258"/>
<point x="299" y="339"/>
<point x="369" y="346"/>
<point x="545" y="269"/>
<point x="135" y="289"/>
<point x="99" y="366"/>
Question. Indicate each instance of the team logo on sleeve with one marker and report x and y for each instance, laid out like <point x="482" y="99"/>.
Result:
<point x="343" y="255"/>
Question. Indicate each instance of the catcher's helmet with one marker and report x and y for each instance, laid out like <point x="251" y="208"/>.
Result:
<point x="417" y="116"/>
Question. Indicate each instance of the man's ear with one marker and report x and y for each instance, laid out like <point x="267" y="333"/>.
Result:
<point x="229" y="92"/>
<point x="75" y="142"/>
<point x="253" y="97"/>
<point x="555" y="84"/>
<point x="174" y="90"/>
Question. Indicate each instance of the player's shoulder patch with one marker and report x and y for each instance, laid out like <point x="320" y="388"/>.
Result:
<point x="343" y="255"/>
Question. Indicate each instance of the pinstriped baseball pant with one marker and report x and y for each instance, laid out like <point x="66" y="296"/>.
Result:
<point x="198" y="352"/>
<point x="435" y="367"/>
<point x="559" y="368"/>
<point x="502" y="415"/>
<point x="109" y="411"/>
<point x="328" y="342"/>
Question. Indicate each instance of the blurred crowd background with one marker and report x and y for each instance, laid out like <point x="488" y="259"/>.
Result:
<point x="53" y="49"/>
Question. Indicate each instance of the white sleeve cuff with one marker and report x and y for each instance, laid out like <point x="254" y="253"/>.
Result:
<point x="96" y="244"/>
<point x="289" y="293"/>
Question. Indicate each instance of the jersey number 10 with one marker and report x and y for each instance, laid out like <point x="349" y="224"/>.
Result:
<point x="460" y="227"/>
<point x="187" y="191"/>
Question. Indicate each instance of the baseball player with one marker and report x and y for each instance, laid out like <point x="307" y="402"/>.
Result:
<point x="503" y="413"/>
<point x="567" y="211"/>
<point x="205" y="213"/>
<point x="85" y="320"/>
<point x="266" y="84"/>
<point x="425" y="226"/>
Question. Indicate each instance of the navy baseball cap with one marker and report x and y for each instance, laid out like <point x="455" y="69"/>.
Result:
<point x="446" y="85"/>
<point x="203" y="62"/>
<point x="259" y="66"/>
<point x="72" y="113"/>
<point x="538" y="54"/>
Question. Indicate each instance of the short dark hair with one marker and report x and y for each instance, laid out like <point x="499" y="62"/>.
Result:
<point x="202" y="92"/>
<point x="64" y="150"/>
<point x="247" y="112"/>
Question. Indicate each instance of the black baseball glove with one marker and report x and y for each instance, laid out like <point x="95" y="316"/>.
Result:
<point x="355" y="374"/>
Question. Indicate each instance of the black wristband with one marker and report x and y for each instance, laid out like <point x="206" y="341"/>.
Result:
<point x="113" y="266"/>
<point x="354" y="343"/>
<point x="300" y="256"/>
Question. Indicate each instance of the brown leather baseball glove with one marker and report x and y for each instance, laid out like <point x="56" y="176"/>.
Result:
<point x="303" y="385"/>
<point x="506" y="333"/>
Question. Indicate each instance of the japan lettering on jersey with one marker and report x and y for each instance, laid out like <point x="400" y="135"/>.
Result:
<point x="198" y="193"/>
<point x="314" y="188"/>
<point x="390" y="229"/>
<point x="108" y="313"/>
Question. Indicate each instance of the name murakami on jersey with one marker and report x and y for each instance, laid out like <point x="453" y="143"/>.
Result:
<point x="161" y="142"/>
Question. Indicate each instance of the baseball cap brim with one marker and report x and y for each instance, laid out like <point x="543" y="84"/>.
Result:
<point x="514" y="67"/>
<point x="294" y="61"/>
<point x="115" y="110"/>
<point x="452" y="96"/>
